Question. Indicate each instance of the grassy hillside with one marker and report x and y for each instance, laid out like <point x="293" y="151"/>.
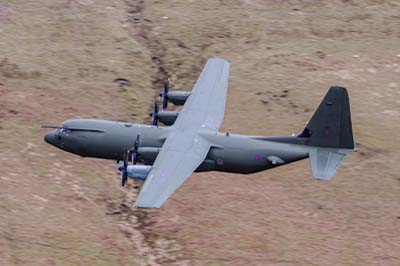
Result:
<point x="59" y="60"/>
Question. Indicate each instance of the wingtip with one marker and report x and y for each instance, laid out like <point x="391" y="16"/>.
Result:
<point x="144" y="206"/>
<point x="140" y="204"/>
<point x="219" y="59"/>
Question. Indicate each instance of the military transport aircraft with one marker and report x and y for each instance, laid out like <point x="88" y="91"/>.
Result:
<point x="192" y="143"/>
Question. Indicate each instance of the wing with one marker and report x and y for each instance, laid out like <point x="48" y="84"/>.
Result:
<point x="180" y="155"/>
<point x="184" y="149"/>
<point x="205" y="106"/>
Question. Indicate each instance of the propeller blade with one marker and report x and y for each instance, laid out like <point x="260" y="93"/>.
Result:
<point x="134" y="158"/>
<point x="165" y="95"/>
<point x="125" y="160"/>
<point x="124" y="170"/>
<point x="124" y="178"/>
<point x="154" y="115"/>
<point x="137" y="142"/>
<point x="166" y="86"/>
<point x="135" y="150"/>
<point x="156" y="107"/>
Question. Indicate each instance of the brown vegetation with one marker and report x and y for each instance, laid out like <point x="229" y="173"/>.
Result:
<point x="59" y="59"/>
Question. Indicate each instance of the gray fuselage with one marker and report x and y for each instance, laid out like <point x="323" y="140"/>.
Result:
<point x="229" y="152"/>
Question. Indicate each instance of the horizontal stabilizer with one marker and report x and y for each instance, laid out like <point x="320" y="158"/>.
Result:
<point x="325" y="161"/>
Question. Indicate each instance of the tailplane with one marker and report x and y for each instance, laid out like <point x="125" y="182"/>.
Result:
<point x="329" y="133"/>
<point x="325" y="161"/>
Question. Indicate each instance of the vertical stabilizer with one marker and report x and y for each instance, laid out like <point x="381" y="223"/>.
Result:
<point x="329" y="133"/>
<point x="330" y="126"/>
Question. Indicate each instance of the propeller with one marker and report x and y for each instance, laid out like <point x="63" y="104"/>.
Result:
<point x="154" y="114"/>
<point x="133" y="154"/>
<point x="164" y="95"/>
<point x="124" y="169"/>
<point x="135" y="151"/>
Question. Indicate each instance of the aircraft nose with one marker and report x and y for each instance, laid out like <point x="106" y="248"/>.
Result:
<point x="50" y="138"/>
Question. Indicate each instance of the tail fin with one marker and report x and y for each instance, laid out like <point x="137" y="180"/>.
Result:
<point x="330" y="133"/>
<point x="330" y="126"/>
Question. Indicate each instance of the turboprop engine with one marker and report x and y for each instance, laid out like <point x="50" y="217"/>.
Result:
<point x="148" y="154"/>
<point x="178" y="97"/>
<point x="175" y="97"/>
<point x="136" y="153"/>
<point x="165" y="117"/>
<point x="138" y="172"/>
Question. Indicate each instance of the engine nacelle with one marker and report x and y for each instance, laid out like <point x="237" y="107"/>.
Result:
<point x="167" y="117"/>
<point x="138" y="172"/>
<point x="148" y="154"/>
<point x="178" y="97"/>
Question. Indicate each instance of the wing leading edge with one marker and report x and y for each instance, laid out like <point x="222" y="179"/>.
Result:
<point x="184" y="149"/>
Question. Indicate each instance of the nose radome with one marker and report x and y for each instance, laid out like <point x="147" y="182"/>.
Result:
<point x="50" y="138"/>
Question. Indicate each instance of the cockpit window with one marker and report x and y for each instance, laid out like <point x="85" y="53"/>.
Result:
<point x="62" y="131"/>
